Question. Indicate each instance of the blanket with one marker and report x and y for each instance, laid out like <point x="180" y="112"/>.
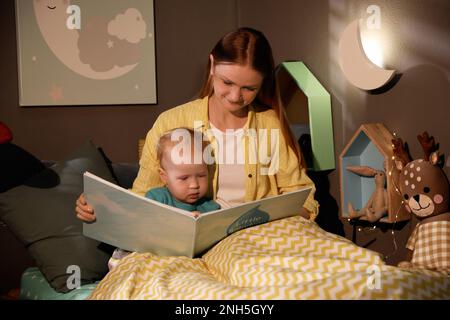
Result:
<point x="291" y="258"/>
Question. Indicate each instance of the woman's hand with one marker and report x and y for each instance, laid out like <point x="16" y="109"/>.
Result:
<point x="83" y="210"/>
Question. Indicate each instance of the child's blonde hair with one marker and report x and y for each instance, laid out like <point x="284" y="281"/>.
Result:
<point x="166" y="141"/>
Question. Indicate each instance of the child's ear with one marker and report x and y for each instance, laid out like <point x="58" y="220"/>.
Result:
<point x="162" y="175"/>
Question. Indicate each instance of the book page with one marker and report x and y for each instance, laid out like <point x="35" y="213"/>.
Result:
<point x="135" y="223"/>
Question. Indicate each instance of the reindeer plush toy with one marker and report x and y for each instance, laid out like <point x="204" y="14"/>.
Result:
<point x="425" y="191"/>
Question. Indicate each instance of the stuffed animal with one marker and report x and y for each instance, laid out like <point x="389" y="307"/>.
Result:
<point x="425" y="191"/>
<point x="377" y="205"/>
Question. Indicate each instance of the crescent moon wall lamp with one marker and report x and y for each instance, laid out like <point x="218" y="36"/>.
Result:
<point x="356" y="66"/>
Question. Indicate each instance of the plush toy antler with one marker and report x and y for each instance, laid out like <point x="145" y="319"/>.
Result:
<point x="401" y="151"/>
<point x="428" y="144"/>
<point x="426" y="193"/>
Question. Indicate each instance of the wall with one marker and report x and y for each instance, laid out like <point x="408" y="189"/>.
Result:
<point x="416" y="43"/>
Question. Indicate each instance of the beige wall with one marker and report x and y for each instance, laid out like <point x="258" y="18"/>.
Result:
<point x="417" y="45"/>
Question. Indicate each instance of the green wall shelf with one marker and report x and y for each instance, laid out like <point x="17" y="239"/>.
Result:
<point x="308" y="108"/>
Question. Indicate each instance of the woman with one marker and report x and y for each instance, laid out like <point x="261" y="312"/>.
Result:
<point x="239" y="100"/>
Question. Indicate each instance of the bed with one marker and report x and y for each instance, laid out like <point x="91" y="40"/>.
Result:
<point x="34" y="286"/>
<point x="286" y="259"/>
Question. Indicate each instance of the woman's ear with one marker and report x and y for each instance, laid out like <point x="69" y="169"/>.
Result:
<point x="162" y="175"/>
<point x="211" y="62"/>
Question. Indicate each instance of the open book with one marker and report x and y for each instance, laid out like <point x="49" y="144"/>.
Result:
<point x="135" y="223"/>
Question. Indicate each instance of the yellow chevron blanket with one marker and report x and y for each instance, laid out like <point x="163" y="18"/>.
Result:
<point x="286" y="259"/>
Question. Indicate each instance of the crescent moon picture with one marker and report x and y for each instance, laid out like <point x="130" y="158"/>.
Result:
<point x="84" y="52"/>
<point x="355" y="64"/>
<point x="51" y="17"/>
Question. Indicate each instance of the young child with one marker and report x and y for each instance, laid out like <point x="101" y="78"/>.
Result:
<point x="186" y="182"/>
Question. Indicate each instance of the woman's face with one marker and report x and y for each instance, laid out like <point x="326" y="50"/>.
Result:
<point x="235" y="85"/>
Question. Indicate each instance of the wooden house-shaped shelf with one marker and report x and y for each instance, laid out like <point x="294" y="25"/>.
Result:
<point x="370" y="146"/>
<point x="308" y="109"/>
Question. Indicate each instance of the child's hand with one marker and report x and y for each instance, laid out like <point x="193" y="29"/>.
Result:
<point x="195" y="214"/>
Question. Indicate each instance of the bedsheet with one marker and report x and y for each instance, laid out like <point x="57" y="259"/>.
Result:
<point x="292" y="258"/>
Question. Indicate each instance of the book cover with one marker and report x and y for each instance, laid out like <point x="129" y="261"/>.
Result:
<point x="132" y="222"/>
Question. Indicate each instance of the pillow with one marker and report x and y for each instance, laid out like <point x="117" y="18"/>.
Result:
<point x="16" y="166"/>
<point x="42" y="215"/>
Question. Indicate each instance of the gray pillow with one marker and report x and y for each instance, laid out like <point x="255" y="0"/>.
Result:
<point x="41" y="213"/>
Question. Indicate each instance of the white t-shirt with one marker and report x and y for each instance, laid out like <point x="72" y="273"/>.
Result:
<point x="230" y="157"/>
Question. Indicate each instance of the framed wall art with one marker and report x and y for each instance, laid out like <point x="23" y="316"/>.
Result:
<point x="84" y="52"/>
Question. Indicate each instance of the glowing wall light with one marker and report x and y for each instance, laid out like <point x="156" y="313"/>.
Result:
<point x="362" y="61"/>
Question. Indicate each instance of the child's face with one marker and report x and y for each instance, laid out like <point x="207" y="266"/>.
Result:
<point x="186" y="182"/>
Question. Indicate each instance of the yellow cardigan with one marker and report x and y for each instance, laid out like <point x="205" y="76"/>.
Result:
<point x="194" y="115"/>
